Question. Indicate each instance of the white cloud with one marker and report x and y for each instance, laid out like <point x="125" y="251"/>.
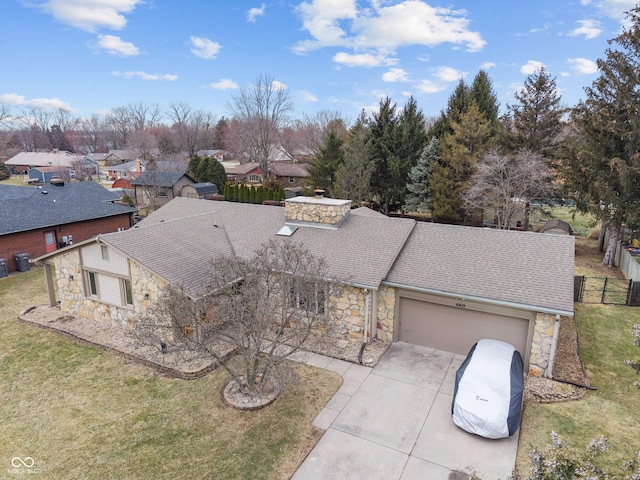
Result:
<point x="448" y="74"/>
<point x="395" y="75"/>
<point x="146" y="76"/>
<point x="276" y="85"/>
<point x="204" y="48"/>
<point x="615" y="8"/>
<point x="115" y="46"/>
<point x="531" y="67"/>
<point x="223" y="84"/>
<point x="363" y="59"/>
<point x="583" y="66"/>
<point x="589" y="28"/>
<point x="487" y="65"/>
<point x="383" y="28"/>
<point x="255" y="12"/>
<point x="91" y="15"/>
<point x="44" y="103"/>
<point x="307" y="96"/>
<point x="427" y="86"/>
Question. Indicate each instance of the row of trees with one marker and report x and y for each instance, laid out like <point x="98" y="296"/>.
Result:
<point x="252" y="194"/>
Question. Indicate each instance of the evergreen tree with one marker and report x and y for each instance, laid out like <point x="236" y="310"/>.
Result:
<point x="482" y="92"/>
<point x="353" y="176"/>
<point x="202" y="170"/>
<point x="470" y="137"/>
<point x="260" y="195"/>
<point x="192" y="168"/>
<point x="535" y="122"/>
<point x="215" y="174"/>
<point x="410" y="141"/>
<point x="603" y="165"/>
<point x="4" y="171"/>
<point x="458" y="103"/>
<point x="322" y="171"/>
<point x="419" y="196"/>
<point x="382" y="145"/>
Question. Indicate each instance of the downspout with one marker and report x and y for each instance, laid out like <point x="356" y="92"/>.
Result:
<point x="366" y="324"/>
<point x="554" y="343"/>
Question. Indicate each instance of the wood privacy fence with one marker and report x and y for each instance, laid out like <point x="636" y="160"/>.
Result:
<point x="611" y="291"/>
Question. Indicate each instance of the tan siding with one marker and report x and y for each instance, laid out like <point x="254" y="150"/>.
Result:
<point x="116" y="263"/>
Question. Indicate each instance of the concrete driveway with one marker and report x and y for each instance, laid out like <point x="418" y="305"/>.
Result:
<point x="394" y="422"/>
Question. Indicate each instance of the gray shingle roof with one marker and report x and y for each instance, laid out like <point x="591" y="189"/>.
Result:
<point x="519" y="267"/>
<point x="523" y="268"/>
<point x="159" y="179"/>
<point x="28" y="208"/>
<point x="205" y="188"/>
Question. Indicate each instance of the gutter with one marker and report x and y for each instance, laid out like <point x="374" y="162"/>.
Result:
<point x="502" y="303"/>
<point x="554" y="345"/>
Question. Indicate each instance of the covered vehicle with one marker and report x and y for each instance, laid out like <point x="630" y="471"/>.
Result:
<point x="487" y="398"/>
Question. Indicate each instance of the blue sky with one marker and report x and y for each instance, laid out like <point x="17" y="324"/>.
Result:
<point x="339" y="55"/>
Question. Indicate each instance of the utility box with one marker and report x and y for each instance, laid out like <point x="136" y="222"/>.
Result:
<point x="4" y="270"/>
<point x="22" y="262"/>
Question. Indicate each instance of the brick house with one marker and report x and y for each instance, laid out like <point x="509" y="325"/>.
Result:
<point x="436" y="285"/>
<point x="290" y="175"/>
<point x="247" y="173"/>
<point x="37" y="220"/>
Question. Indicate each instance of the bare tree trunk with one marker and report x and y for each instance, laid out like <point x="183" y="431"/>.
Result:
<point x="609" y="256"/>
<point x="527" y="216"/>
<point x="603" y="230"/>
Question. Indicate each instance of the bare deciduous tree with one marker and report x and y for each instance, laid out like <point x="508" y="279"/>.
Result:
<point x="264" y="307"/>
<point x="193" y="129"/>
<point x="144" y="116"/>
<point x="118" y="125"/>
<point x="261" y="110"/>
<point x="89" y="136"/>
<point x="506" y="185"/>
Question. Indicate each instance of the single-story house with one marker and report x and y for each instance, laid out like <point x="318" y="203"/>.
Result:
<point x="206" y="190"/>
<point x="25" y="161"/>
<point x="290" y="174"/>
<point x="128" y="170"/>
<point x="247" y="173"/>
<point x="155" y="188"/>
<point x="45" y="174"/>
<point x="436" y="285"/>
<point x="37" y="220"/>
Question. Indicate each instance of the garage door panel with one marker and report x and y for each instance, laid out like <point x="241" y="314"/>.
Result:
<point x="455" y="329"/>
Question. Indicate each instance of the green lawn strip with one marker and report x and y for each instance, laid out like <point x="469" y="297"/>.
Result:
<point x="84" y="413"/>
<point x="579" y="222"/>
<point x="612" y="410"/>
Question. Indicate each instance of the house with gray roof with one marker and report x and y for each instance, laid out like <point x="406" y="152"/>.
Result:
<point x="436" y="285"/>
<point x="291" y="175"/>
<point x="156" y="187"/>
<point x="205" y="190"/>
<point x="37" y="220"/>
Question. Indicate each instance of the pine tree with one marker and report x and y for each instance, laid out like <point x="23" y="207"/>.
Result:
<point x="353" y="176"/>
<point x="192" y="169"/>
<point x="470" y="137"/>
<point x="536" y="120"/>
<point x="603" y="165"/>
<point x="419" y="196"/>
<point x="411" y="139"/>
<point x="215" y="173"/>
<point x="322" y="171"/>
<point x="483" y="93"/>
<point x="383" y="148"/>
<point x="458" y="103"/>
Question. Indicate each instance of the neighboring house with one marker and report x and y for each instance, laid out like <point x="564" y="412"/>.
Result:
<point x="36" y="220"/>
<point x="25" y="161"/>
<point x="204" y="190"/>
<point x="247" y="173"/>
<point x="118" y="157"/>
<point x="556" y="226"/>
<point x="128" y="170"/>
<point x="277" y="153"/>
<point x="436" y="285"/>
<point x="216" y="153"/>
<point x="290" y="174"/>
<point x="154" y="188"/>
<point x="45" y="174"/>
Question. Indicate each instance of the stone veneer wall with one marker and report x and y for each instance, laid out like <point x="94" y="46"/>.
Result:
<point x="386" y="312"/>
<point x="347" y="310"/>
<point x="541" y="345"/>
<point x="74" y="301"/>
<point x="329" y="213"/>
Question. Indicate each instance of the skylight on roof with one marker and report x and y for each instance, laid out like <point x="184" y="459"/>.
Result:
<point x="287" y="231"/>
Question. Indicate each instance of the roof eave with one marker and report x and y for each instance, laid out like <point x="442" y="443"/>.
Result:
<point x="492" y="301"/>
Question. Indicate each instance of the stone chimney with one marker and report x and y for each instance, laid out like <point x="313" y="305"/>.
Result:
<point x="327" y="212"/>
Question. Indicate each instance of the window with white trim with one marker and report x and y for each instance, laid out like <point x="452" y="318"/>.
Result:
<point x="107" y="288"/>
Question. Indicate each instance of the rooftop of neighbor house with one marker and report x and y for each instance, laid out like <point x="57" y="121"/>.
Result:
<point x="159" y="178"/>
<point x="28" y="208"/>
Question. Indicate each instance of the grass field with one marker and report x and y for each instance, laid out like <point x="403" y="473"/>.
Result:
<point x="606" y="335"/>
<point x="83" y="413"/>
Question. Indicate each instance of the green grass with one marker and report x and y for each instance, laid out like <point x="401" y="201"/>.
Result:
<point x="83" y="413"/>
<point x="14" y="180"/>
<point x="606" y="337"/>
<point x="580" y="223"/>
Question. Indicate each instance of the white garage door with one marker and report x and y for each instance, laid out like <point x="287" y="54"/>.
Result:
<point x="456" y="329"/>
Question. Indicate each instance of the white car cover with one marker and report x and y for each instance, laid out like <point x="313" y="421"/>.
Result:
<point x="487" y="399"/>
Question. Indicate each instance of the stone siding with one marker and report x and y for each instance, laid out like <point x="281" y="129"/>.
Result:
<point x="347" y="311"/>
<point x="73" y="300"/>
<point x="541" y="345"/>
<point x="317" y="210"/>
<point x="386" y="313"/>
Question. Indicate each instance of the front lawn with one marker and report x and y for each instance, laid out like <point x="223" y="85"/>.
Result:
<point x="606" y="341"/>
<point x="83" y="413"/>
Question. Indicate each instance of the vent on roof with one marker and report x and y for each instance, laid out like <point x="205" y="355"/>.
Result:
<point x="287" y="231"/>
